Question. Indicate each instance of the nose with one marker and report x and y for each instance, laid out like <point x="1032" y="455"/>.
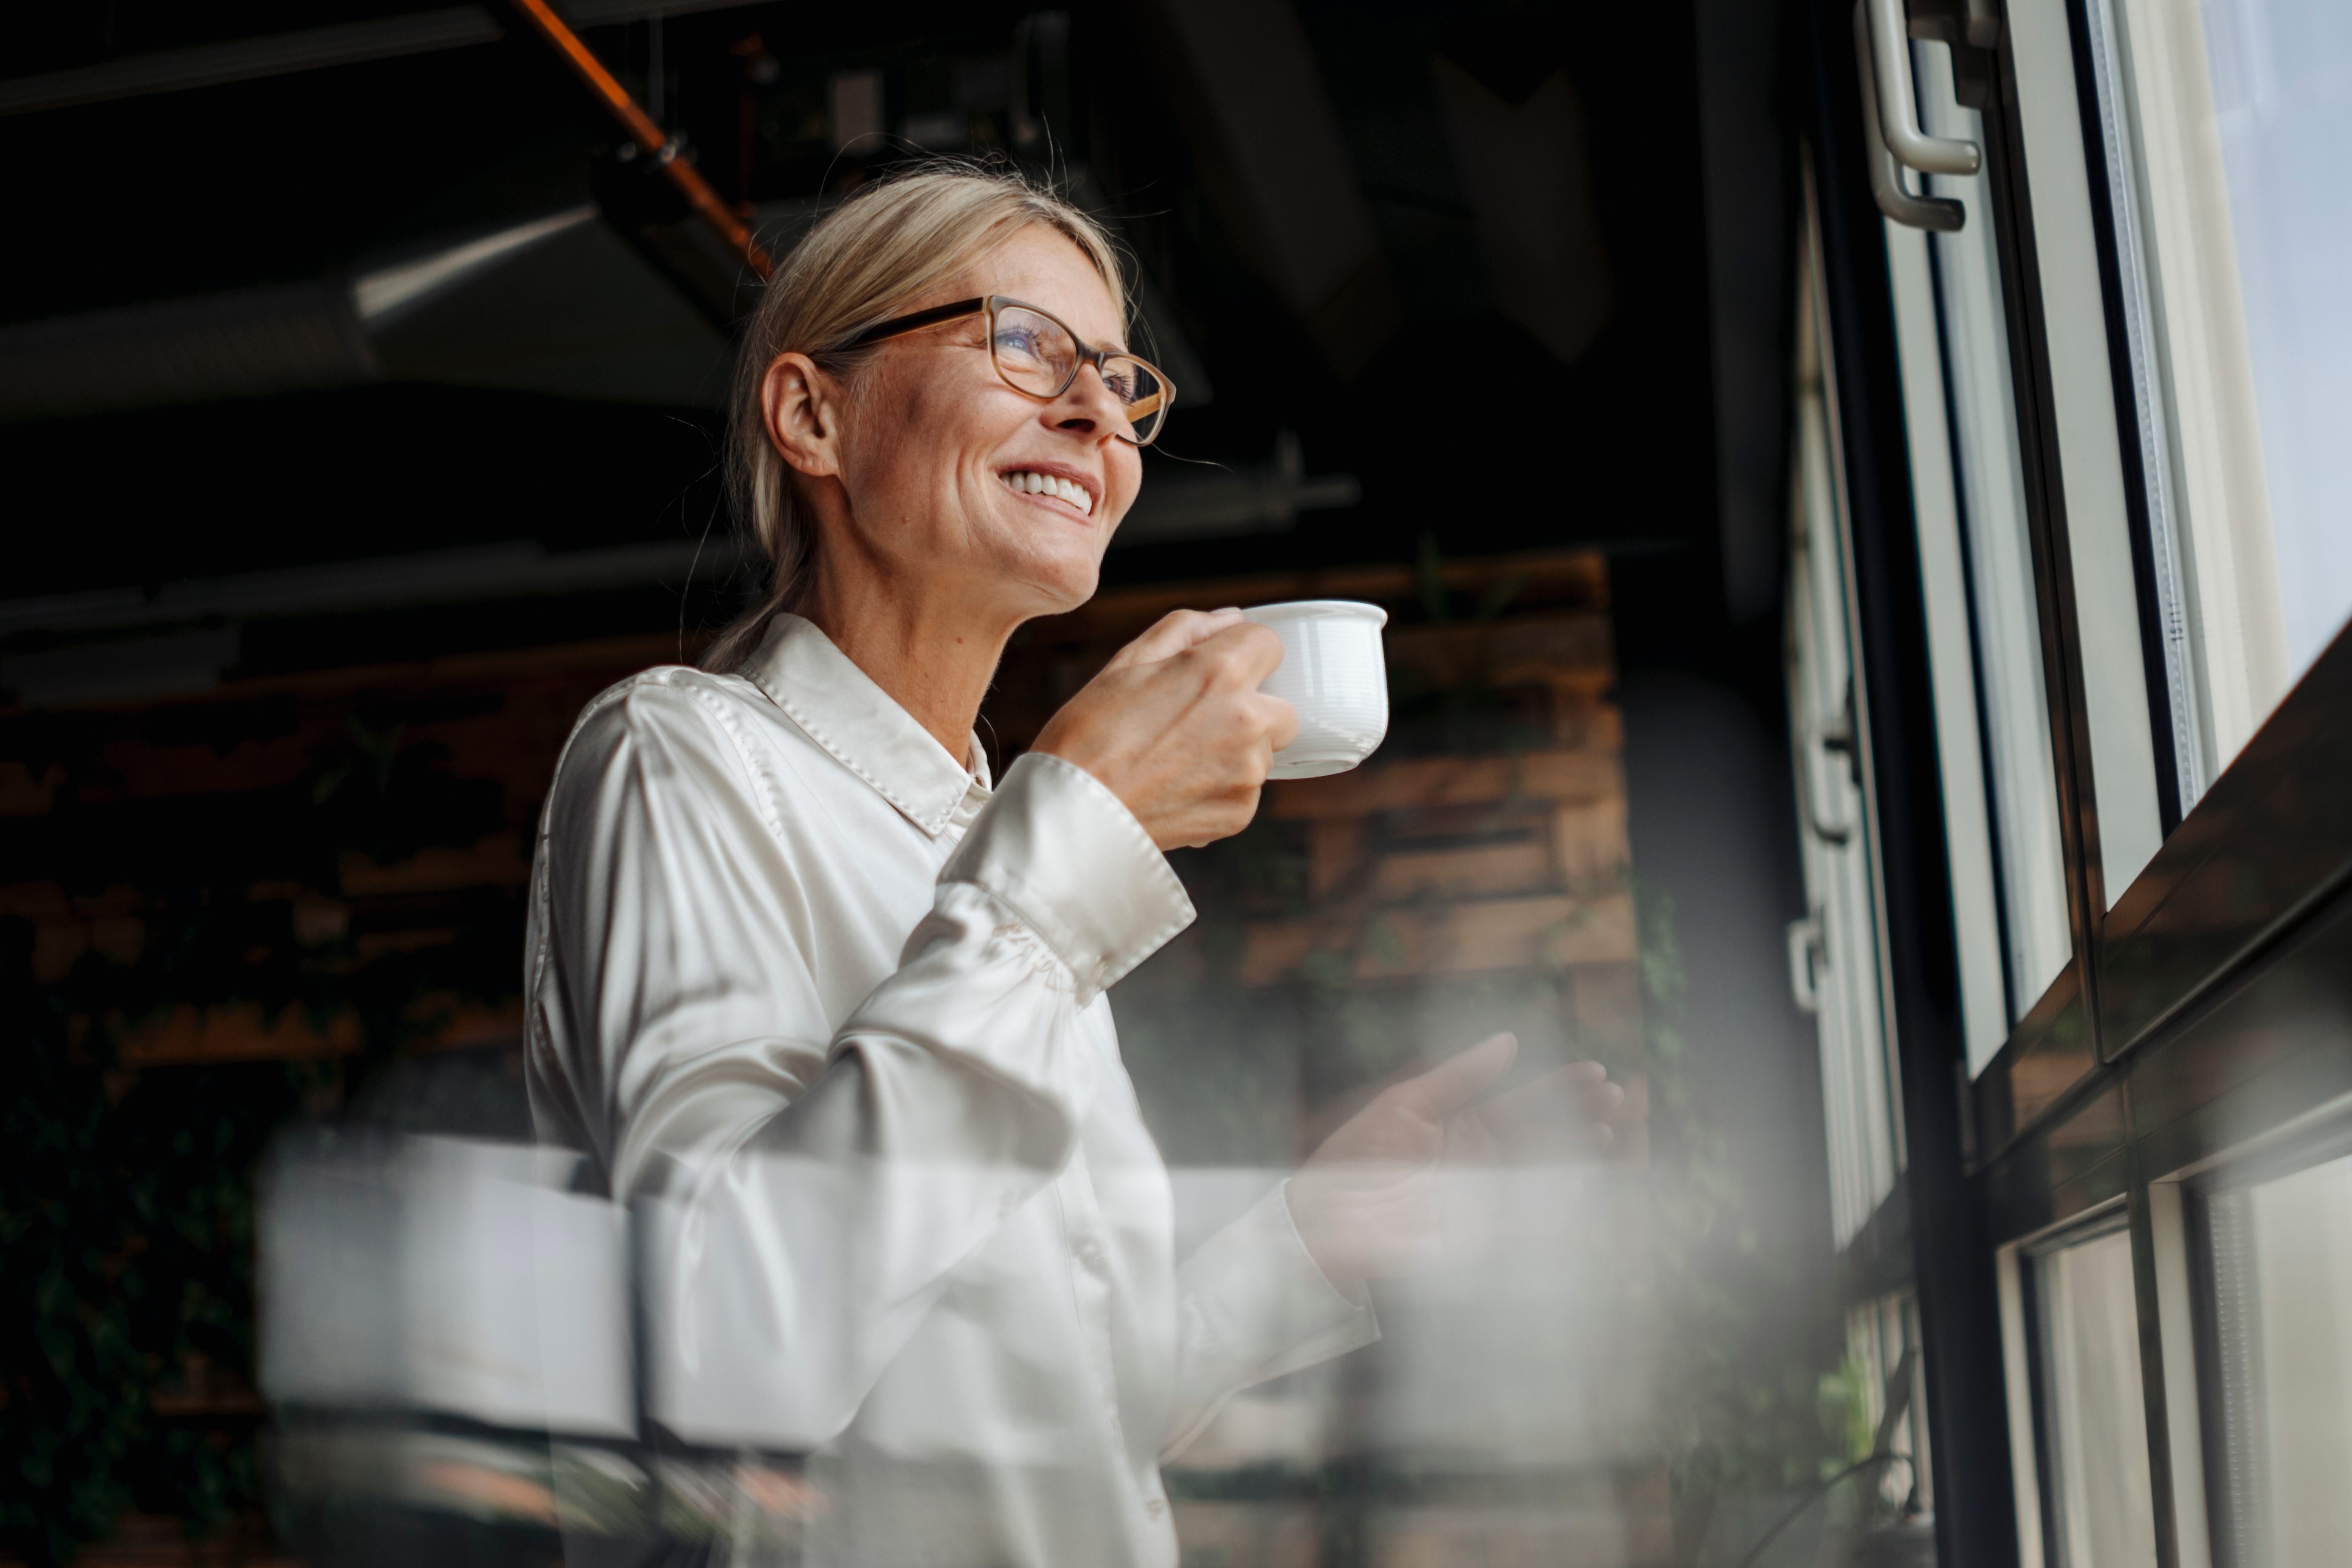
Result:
<point x="1088" y="408"/>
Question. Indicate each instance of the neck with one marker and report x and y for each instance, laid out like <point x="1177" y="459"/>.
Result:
<point x="934" y="653"/>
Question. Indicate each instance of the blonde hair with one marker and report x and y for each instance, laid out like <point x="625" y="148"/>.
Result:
<point x="889" y="244"/>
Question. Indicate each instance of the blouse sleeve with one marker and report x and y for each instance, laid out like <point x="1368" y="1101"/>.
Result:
<point x="1252" y="1304"/>
<point x="803" y="1193"/>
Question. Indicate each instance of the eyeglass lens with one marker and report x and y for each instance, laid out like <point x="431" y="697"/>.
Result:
<point x="1036" y="353"/>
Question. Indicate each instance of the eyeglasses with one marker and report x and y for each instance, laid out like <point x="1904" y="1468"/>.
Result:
<point x="1035" y="352"/>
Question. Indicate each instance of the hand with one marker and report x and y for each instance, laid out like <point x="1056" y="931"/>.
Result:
<point x="1175" y="726"/>
<point x="1365" y="1202"/>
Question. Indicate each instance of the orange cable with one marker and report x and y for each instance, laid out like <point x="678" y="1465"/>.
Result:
<point x="647" y="134"/>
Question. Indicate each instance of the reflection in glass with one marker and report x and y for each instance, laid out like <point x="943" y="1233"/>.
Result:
<point x="2223" y="123"/>
<point x="2282" y="1282"/>
<point x="2094" y="1420"/>
<point x="1989" y="475"/>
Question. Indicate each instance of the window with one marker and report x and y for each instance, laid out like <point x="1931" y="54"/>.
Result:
<point x="1836" y="951"/>
<point x="2279" y="1256"/>
<point x="1884" y="1340"/>
<point x="2088" y="492"/>
<point x="2092" y="1438"/>
<point x="2230" y="214"/>
<point x="1992" y="706"/>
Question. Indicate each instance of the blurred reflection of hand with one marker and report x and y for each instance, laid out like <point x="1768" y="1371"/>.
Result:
<point x="1366" y="1203"/>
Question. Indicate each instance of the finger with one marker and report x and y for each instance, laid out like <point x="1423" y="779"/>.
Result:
<point x="1535" y="1106"/>
<point x="1172" y="634"/>
<point x="1284" y="728"/>
<point x="1251" y="651"/>
<point x="1451" y="1085"/>
<point x="1578" y="1097"/>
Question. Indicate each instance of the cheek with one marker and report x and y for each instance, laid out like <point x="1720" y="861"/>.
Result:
<point x="1125" y="472"/>
<point x="919" y="433"/>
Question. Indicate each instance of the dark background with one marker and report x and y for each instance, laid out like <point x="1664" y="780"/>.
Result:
<point x="1658" y="438"/>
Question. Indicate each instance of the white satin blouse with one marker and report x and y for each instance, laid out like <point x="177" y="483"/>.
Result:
<point x="828" y="1011"/>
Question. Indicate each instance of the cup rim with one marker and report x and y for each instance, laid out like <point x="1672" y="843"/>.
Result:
<point x="1301" y="609"/>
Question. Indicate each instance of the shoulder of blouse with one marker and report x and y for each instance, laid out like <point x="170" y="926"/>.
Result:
<point x="677" y="722"/>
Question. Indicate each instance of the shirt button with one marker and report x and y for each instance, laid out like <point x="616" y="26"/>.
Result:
<point x="1155" y="1508"/>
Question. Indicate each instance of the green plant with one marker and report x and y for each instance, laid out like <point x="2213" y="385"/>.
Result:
<point x="1739" y="1410"/>
<point x="126" y="1205"/>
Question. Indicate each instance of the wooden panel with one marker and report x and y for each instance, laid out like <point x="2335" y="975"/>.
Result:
<point x="497" y="861"/>
<point x="1545" y="931"/>
<point x="1606" y="1000"/>
<point x="240" y="1032"/>
<point x="1560" y="776"/>
<point x="1575" y="579"/>
<point x="1473" y="872"/>
<point x="1512" y="653"/>
<point x="1335" y="851"/>
<point x="1589" y="842"/>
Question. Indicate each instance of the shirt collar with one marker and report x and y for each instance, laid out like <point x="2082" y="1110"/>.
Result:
<point x="861" y="725"/>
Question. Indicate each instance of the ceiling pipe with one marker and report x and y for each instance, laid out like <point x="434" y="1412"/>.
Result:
<point x="663" y="150"/>
<point x="248" y="343"/>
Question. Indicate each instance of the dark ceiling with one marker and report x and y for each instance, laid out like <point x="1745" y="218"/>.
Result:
<point x="1512" y="351"/>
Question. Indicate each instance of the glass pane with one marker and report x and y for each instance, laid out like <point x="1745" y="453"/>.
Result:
<point x="2224" y="120"/>
<point x="2283" y="1300"/>
<point x="1834" y="951"/>
<point x="1999" y="563"/>
<point x="2122" y="785"/>
<point x="1993" y="711"/>
<point x="1883" y="1342"/>
<point x="2094" y="1421"/>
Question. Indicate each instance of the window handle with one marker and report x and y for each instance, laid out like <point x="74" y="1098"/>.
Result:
<point x="1804" y="956"/>
<point x="1888" y="58"/>
<point x="1834" y="735"/>
<point x="1940" y="214"/>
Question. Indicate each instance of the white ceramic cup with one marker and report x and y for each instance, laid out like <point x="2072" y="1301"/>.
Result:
<point x="1334" y="673"/>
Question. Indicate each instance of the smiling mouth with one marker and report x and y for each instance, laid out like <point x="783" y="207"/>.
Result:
<point x="1030" y="482"/>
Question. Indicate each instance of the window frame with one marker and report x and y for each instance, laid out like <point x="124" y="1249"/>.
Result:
<point x="2197" y="1011"/>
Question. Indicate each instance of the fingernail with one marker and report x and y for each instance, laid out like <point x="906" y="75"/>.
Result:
<point x="1228" y="610"/>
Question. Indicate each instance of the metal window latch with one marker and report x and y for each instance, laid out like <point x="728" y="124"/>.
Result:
<point x="1834" y="735"/>
<point x="1805" y="954"/>
<point x="1940" y="214"/>
<point x="1899" y="109"/>
<point x="1971" y="30"/>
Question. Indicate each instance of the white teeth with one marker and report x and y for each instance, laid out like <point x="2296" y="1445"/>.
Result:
<point x="1051" y="485"/>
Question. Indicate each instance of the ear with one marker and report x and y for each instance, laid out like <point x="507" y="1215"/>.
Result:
<point x="800" y="408"/>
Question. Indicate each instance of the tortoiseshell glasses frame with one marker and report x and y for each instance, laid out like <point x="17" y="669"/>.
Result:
<point x="1035" y="353"/>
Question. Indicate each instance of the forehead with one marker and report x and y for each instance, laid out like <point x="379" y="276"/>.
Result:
<point x="1047" y="268"/>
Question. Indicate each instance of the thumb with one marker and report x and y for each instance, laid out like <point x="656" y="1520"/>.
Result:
<point x="1454" y="1083"/>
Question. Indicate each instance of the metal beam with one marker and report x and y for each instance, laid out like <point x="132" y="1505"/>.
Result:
<point x="521" y="569"/>
<point x="313" y="48"/>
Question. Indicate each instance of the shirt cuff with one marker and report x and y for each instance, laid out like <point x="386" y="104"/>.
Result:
<point x="1261" y="1295"/>
<point x="1067" y="856"/>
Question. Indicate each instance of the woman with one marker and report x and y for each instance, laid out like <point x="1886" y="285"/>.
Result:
<point x="826" y="1002"/>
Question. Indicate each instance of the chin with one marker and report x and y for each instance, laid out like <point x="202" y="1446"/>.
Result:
<point x="1065" y="583"/>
